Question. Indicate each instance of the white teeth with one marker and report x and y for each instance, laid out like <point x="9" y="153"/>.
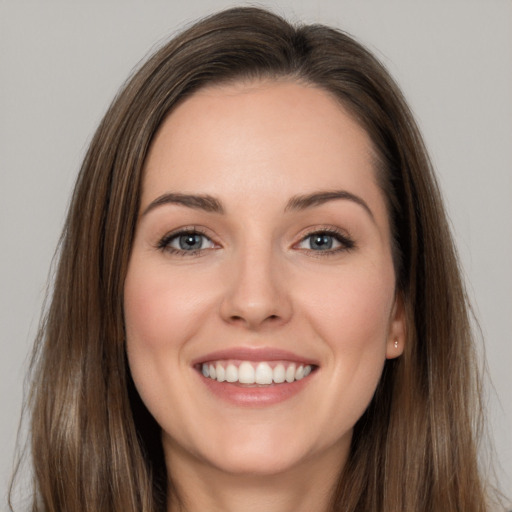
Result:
<point x="263" y="374"/>
<point x="221" y="373"/>
<point x="255" y="373"/>
<point x="232" y="373"/>
<point x="290" y="373"/>
<point x="246" y="373"/>
<point x="279" y="374"/>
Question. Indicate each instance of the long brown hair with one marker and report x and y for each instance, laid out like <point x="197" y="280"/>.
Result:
<point x="96" y="447"/>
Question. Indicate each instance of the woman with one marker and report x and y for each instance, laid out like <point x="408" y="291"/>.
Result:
<point x="258" y="302"/>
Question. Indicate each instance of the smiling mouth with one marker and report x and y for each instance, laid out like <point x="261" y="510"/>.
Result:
<point x="255" y="373"/>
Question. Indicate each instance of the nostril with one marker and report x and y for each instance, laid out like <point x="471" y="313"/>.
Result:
<point x="254" y="321"/>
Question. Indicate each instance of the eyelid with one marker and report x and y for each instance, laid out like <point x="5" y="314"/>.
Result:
<point x="344" y="239"/>
<point x="163" y="242"/>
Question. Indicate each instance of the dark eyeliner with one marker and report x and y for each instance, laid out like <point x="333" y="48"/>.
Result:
<point x="346" y="242"/>
<point x="163" y="243"/>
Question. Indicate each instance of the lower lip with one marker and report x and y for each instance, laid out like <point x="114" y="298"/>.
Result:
<point x="255" y="396"/>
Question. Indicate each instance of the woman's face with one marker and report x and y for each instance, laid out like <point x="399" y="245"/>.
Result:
<point x="260" y="299"/>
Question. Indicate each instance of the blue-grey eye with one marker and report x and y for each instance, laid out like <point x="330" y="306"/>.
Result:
<point x="190" y="242"/>
<point x="321" y="242"/>
<point x="324" y="241"/>
<point x="187" y="242"/>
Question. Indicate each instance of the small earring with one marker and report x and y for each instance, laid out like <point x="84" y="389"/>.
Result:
<point x="396" y="343"/>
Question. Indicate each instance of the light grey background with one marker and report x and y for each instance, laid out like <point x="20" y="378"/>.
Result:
<point x="61" y="62"/>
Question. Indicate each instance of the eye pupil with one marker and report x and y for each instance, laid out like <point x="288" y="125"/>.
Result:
<point x="190" y="241"/>
<point x="321" y="242"/>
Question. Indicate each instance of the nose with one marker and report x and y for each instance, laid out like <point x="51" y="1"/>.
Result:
<point x="256" y="295"/>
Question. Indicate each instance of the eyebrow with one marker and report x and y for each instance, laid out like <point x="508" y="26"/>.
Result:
<point x="303" y="202"/>
<point x="210" y="204"/>
<point x="201" y="202"/>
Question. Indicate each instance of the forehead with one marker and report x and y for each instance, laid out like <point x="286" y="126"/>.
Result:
<point x="240" y="137"/>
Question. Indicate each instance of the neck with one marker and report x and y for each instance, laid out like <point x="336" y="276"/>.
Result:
<point x="199" y="486"/>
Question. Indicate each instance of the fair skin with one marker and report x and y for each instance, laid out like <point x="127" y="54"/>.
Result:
<point x="254" y="273"/>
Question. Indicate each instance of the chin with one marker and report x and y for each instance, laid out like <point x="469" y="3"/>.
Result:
<point x="243" y="450"/>
<point x="241" y="461"/>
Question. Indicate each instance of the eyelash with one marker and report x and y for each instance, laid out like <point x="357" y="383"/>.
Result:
<point x="164" y="243"/>
<point x="345" y="241"/>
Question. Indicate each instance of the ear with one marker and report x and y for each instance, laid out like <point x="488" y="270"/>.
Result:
<point x="397" y="329"/>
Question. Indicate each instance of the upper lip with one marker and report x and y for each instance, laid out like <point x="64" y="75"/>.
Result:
<point x="254" y="354"/>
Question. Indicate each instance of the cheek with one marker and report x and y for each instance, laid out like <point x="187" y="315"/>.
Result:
<point x="352" y="309"/>
<point x="161" y="308"/>
<point x="351" y="315"/>
<point x="163" y="311"/>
